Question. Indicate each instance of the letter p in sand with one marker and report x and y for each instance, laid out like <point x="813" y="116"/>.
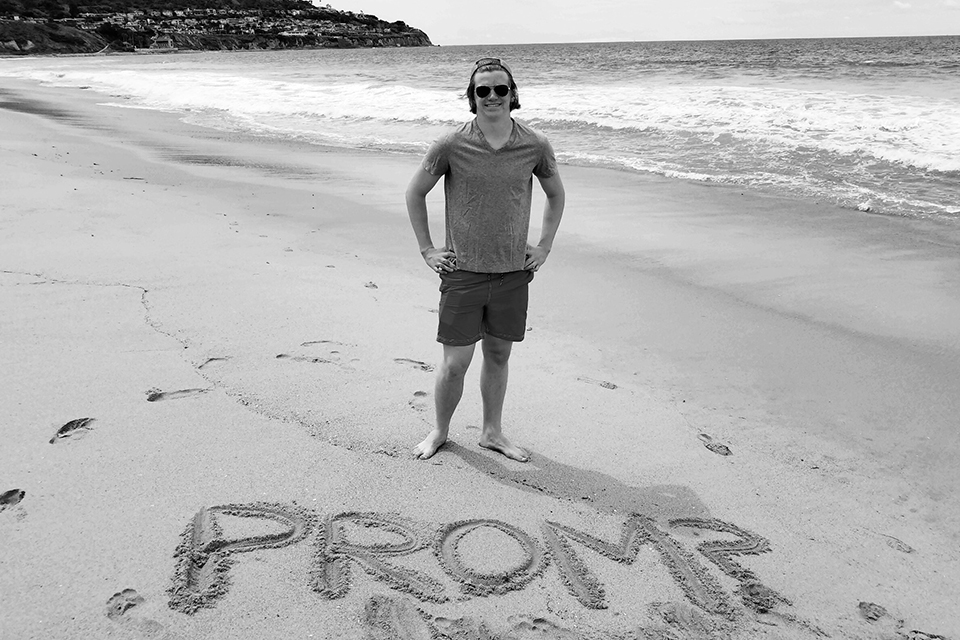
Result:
<point x="204" y="556"/>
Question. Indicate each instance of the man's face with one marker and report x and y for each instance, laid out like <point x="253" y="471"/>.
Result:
<point x="493" y="105"/>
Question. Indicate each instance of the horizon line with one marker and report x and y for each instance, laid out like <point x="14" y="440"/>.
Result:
<point x="746" y="39"/>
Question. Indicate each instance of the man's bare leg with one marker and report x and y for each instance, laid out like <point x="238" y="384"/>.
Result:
<point x="447" y="392"/>
<point x="493" y="389"/>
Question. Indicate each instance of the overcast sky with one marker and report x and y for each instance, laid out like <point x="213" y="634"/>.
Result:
<point x="449" y="22"/>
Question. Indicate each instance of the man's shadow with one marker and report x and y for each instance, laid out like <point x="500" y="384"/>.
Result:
<point x="602" y="492"/>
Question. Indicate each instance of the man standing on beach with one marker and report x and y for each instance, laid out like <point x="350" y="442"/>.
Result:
<point x="485" y="266"/>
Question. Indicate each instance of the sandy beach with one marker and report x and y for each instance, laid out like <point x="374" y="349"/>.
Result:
<point x="742" y="409"/>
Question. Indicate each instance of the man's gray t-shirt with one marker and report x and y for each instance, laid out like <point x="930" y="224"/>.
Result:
<point x="488" y="193"/>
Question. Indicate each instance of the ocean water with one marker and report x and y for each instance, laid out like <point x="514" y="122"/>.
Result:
<point x="870" y="124"/>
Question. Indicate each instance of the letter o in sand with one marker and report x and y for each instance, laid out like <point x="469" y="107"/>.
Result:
<point x="533" y="562"/>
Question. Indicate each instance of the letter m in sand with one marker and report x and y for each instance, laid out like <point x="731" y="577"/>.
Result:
<point x="698" y="585"/>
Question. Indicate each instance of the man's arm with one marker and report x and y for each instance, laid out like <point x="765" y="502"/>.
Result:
<point x="552" y="213"/>
<point x="422" y="183"/>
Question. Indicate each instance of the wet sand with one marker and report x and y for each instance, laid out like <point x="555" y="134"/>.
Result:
<point x="218" y="352"/>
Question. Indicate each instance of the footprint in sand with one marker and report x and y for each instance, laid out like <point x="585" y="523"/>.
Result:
<point x="416" y="364"/>
<point x="210" y="361"/>
<point x="334" y="352"/>
<point x="712" y="445"/>
<point x="386" y="618"/>
<point x="883" y="624"/>
<point x="119" y="603"/>
<point x="310" y="343"/>
<point x="11" y="498"/>
<point x="871" y="611"/>
<point x="287" y="356"/>
<point x="333" y="355"/>
<point x="898" y="544"/>
<point x="528" y="626"/>
<point x="155" y="395"/>
<point x="599" y="383"/>
<point x="759" y="597"/>
<point x="462" y="629"/>
<point x="679" y="620"/>
<point x="72" y="428"/>
<point x="419" y="402"/>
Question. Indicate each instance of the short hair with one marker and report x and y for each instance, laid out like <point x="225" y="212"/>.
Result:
<point x="492" y="66"/>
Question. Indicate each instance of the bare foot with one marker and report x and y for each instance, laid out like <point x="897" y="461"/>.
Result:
<point x="501" y="445"/>
<point x="430" y="444"/>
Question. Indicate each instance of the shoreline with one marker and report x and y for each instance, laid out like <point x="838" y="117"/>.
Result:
<point x="916" y="185"/>
<point x="141" y="253"/>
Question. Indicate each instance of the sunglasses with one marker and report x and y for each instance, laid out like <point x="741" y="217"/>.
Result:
<point x="501" y="90"/>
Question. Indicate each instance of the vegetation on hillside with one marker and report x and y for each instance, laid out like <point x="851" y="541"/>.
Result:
<point x="87" y="26"/>
<point x="57" y="9"/>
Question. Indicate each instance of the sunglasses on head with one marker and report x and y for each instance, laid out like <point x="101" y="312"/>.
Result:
<point x="490" y="62"/>
<point x="501" y="90"/>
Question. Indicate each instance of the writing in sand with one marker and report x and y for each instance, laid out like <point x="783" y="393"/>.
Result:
<point x="373" y="541"/>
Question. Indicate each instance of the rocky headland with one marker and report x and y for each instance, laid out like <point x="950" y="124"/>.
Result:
<point x="162" y="26"/>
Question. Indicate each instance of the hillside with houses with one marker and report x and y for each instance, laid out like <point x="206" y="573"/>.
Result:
<point x="32" y="27"/>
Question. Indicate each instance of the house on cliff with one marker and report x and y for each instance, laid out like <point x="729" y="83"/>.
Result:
<point x="163" y="42"/>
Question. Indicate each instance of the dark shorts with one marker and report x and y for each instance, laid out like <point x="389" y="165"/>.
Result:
<point x="476" y="304"/>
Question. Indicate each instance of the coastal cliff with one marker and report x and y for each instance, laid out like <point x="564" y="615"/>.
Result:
<point x="162" y="26"/>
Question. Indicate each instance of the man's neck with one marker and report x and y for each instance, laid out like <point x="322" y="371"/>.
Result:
<point x="495" y="127"/>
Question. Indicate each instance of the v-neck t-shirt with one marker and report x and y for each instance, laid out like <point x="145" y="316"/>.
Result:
<point x="488" y="192"/>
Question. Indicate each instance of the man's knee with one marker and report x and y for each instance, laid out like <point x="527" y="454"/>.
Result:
<point x="453" y="370"/>
<point x="456" y="361"/>
<point x="496" y="351"/>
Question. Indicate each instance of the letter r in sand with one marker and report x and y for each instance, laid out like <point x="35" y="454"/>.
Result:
<point x="335" y="552"/>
